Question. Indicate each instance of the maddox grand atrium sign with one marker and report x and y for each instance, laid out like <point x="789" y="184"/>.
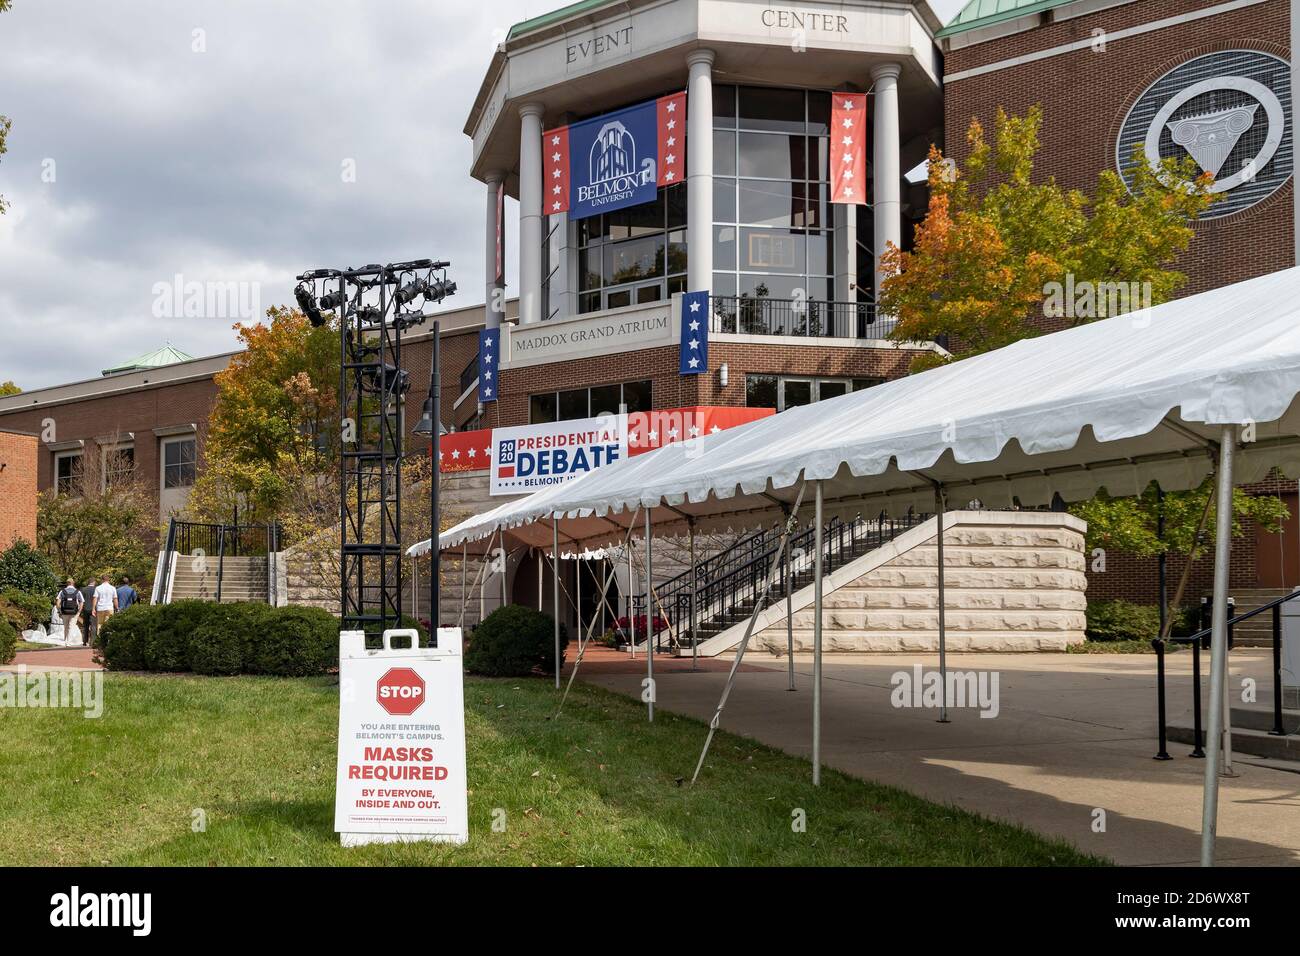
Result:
<point x="615" y="160"/>
<point x="532" y="457"/>
<point x="616" y="330"/>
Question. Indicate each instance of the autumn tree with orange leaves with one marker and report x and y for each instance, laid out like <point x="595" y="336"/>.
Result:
<point x="273" y="434"/>
<point x="993" y="240"/>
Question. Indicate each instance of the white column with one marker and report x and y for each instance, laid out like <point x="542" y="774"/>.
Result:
<point x="887" y="200"/>
<point x="699" y="171"/>
<point x="530" y="213"/>
<point x="494" y="291"/>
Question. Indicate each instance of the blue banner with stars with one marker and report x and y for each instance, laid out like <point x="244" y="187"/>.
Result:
<point x="489" y="361"/>
<point x="695" y="333"/>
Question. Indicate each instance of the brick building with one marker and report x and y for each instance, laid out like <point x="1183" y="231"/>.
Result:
<point x="593" y="324"/>
<point x="18" y="458"/>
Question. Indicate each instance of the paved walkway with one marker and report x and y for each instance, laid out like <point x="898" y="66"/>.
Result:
<point x="56" y="658"/>
<point x="1075" y="733"/>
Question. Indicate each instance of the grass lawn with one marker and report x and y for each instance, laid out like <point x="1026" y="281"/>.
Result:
<point x="599" y="786"/>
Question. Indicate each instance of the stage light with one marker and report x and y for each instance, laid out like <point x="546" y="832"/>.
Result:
<point x="307" y="303"/>
<point x="412" y="290"/>
<point x="331" y="301"/>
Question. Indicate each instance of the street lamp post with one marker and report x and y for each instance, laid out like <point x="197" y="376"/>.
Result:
<point x="431" y="425"/>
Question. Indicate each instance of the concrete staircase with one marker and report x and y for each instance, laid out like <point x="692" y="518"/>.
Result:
<point x="1251" y="737"/>
<point x="1258" y="631"/>
<point x="242" y="579"/>
<point x="1014" y="582"/>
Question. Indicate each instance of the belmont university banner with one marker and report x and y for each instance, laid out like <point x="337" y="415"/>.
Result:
<point x="615" y="160"/>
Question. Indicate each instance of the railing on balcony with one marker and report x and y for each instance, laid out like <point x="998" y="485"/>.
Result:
<point x="468" y="374"/>
<point x="747" y="315"/>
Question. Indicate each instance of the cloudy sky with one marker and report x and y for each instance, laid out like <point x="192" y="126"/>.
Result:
<point x="227" y="141"/>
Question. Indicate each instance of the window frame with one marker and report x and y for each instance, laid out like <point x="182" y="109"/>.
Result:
<point x="193" y="463"/>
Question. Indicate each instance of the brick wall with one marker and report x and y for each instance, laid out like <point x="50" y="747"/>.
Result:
<point x="1085" y="96"/>
<point x="18" y="456"/>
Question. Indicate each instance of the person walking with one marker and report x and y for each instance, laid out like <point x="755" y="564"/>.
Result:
<point x="126" y="595"/>
<point x="88" y="613"/>
<point x="70" y="603"/>
<point x="105" y="603"/>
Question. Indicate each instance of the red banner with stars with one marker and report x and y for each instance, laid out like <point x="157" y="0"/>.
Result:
<point x="849" y="148"/>
<point x="555" y="170"/>
<point x="671" y="114"/>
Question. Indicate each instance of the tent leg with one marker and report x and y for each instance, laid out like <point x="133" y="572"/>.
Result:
<point x="789" y="618"/>
<point x="464" y="595"/>
<point x="1218" y="642"/>
<point x="749" y="632"/>
<point x="649" y="625"/>
<point x="555" y="591"/>
<point x="631" y="589"/>
<point x="940" y="514"/>
<point x="818" y="518"/>
<point x="695" y="634"/>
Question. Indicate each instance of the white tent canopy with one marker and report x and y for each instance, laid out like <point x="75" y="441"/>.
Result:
<point x="1114" y="404"/>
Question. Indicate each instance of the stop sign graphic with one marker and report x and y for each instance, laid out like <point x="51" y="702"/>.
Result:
<point x="400" y="691"/>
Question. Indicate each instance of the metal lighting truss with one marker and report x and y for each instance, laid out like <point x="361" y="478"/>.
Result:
<point x="376" y="304"/>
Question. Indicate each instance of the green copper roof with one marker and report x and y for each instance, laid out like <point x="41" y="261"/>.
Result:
<point x="573" y="9"/>
<point x="983" y="13"/>
<point x="167" y="355"/>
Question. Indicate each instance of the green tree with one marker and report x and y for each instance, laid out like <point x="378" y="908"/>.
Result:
<point x="997" y="243"/>
<point x="24" y="568"/>
<point x="89" y="535"/>
<point x="9" y="388"/>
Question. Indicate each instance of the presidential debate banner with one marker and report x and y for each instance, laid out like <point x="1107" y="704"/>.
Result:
<point x="615" y="160"/>
<point x="529" y="458"/>
<point x="849" y="148"/>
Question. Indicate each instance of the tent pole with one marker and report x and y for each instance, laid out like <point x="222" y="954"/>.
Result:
<point x="555" y="591"/>
<point x="695" y="634"/>
<point x="1218" y="642"/>
<point x="818" y="518"/>
<point x="631" y="589"/>
<point x="464" y="595"/>
<point x="789" y="615"/>
<point x="649" y="624"/>
<point x="939" y="511"/>
<point x="577" y="603"/>
<point x="604" y="597"/>
<point x="505" y="562"/>
<point x="541" y="563"/>
<point x="749" y="632"/>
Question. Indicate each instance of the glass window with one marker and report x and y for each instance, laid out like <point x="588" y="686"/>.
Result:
<point x="770" y="108"/>
<point x="860" y="383"/>
<point x="649" y="293"/>
<point x="636" y="396"/>
<point x="645" y="242"/>
<point x="819" y="111"/>
<point x="796" y="392"/>
<point x="831" y="389"/>
<point x="766" y="156"/>
<point x="634" y="259"/>
<point x="67" y="471"/>
<point x="541" y="408"/>
<point x="119" y="466"/>
<point x="772" y="250"/>
<point x="760" y="391"/>
<point x="178" y="463"/>
<point x="724" y="200"/>
<point x="574" y="403"/>
<point x="724" y="153"/>
<point x="770" y="203"/>
<point x="618" y="299"/>
<point x="724" y="247"/>
<point x="605" y="399"/>
<point x="724" y="106"/>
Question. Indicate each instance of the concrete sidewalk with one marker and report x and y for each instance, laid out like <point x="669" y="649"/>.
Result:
<point x="1075" y="733"/>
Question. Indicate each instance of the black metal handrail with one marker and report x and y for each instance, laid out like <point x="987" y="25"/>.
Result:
<point x="806" y="318"/>
<point x="737" y="581"/>
<point x="1201" y="640"/>
<point x="255" y="540"/>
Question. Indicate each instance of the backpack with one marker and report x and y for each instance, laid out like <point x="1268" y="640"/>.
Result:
<point x="68" y="600"/>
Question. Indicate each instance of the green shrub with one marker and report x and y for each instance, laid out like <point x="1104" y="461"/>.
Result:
<point x="295" y="642"/>
<point x="1122" y="621"/>
<point x="220" y="642"/>
<point x="24" y="568"/>
<point x="35" y="607"/>
<point x="514" y="641"/>
<point x="125" y="636"/>
<point x="8" y="642"/>
<point x="13" y="616"/>
<point x="375" y="638"/>
<point x="167" y="647"/>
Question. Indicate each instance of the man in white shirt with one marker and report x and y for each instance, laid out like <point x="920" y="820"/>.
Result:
<point x="105" y="602"/>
